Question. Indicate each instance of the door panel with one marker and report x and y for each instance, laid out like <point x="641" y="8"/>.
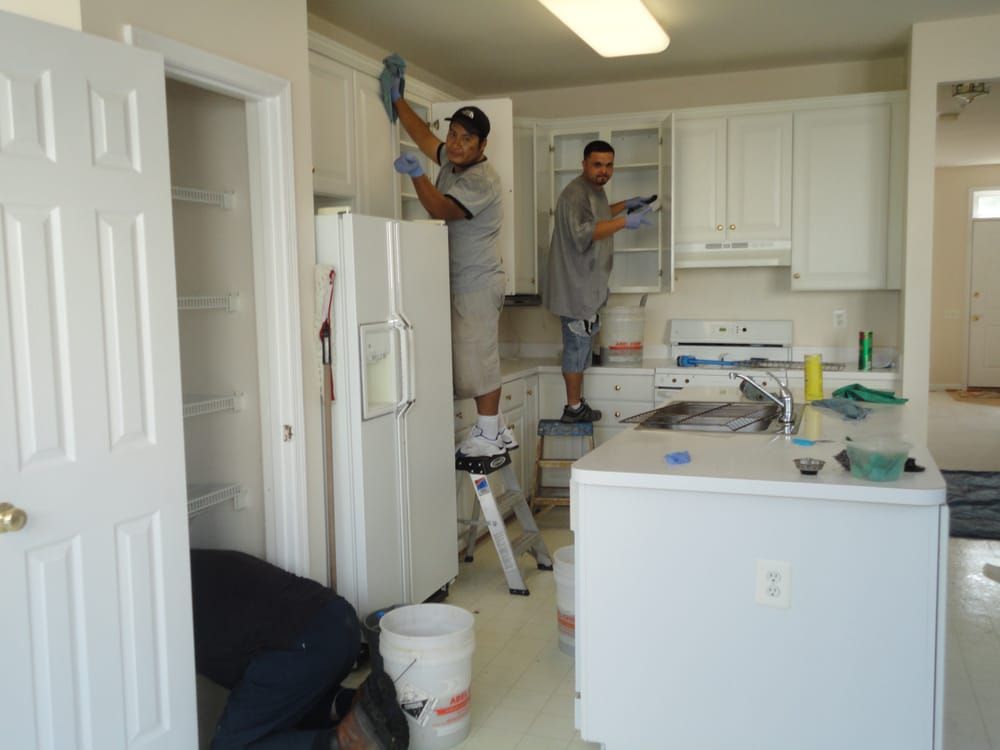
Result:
<point x="984" y="308"/>
<point x="96" y="585"/>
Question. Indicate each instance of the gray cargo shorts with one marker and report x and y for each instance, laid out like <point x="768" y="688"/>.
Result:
<point x="475" y="354"/>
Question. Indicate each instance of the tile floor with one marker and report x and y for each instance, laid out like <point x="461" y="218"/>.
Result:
<point x="522" y="685"/>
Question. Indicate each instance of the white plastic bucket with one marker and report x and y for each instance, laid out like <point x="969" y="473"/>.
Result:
<point x="564" y="564"/>
<point x="621" y="336"/>
<point x="427" y="651"/>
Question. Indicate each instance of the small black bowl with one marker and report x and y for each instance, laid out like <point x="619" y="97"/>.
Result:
<point x="809" y="466"/>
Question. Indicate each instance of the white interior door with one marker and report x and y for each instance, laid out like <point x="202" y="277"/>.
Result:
<point x="95" y="588"/>
<point x="984" y="307"/>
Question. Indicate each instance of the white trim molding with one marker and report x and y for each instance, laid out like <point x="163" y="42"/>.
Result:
<point x="275" y="253"/>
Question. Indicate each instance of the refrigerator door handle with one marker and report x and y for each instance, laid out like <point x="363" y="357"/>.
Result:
<point x="406" y="365"/>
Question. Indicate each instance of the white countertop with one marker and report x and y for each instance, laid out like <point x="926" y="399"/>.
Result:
<point x="761" y="463"/>
<point x="511" y="369"/>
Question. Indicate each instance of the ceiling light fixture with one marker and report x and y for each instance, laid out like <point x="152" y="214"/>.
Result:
<point x="966" y="92"/>
<point x="624" y="27"/>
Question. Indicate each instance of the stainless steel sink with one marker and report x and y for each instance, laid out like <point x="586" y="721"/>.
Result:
<point x="714" y="416"/>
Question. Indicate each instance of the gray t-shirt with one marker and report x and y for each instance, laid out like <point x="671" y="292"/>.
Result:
<point x="472" y="242"/>
<point x="576" y="285"/>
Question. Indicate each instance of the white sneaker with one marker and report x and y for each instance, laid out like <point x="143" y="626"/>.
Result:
<point x="477" y="444"/>
<point x="509" y="441"/>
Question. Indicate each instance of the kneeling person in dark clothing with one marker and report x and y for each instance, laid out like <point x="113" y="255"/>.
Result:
<point x="282" y="644"/>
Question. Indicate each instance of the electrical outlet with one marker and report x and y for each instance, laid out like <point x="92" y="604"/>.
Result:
<point x="840" y="318"/>
<point x="774" y="583"/>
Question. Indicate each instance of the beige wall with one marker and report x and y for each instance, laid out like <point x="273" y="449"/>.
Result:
<point x="270" y="36"/>
<point x="62" y="12"/>
<point x="772" y="84"/>
<point x="957" y="50"/>
<point x="762" y="293"/>
<point x="951" y="264"/>
<point x="748" y="293"/>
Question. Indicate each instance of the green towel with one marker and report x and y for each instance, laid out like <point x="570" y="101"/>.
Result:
<point x="858" y="392"/>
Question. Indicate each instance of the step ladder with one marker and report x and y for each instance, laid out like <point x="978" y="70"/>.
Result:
<point x="493" y="510"/>
<point x="545" y="497"/>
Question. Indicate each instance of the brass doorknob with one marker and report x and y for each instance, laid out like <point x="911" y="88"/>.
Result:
<point x="732" y="226"/>
<point x="718" y="227"/>
<point x="11" y="518"/>
<point x="796" y="275"/>
<point x="975" y="317"/>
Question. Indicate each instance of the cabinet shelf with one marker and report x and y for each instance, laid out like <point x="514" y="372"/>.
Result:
<point x="637" y="250"/>
<point x="638" y="165"/>
<point x="200" y="405"/>
<point x="201" y="497"/>
<point x="227" y="302"/>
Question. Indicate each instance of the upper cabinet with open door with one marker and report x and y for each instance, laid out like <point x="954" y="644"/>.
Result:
<point x="643" y="158"/>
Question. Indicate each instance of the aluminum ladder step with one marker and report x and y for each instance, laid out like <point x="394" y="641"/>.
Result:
<point x="530" y="541"/>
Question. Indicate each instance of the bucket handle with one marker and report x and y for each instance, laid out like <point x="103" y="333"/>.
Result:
<point x="397" y="679"/>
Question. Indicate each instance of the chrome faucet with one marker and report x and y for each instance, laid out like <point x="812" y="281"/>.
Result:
<point x="785" y="402"/>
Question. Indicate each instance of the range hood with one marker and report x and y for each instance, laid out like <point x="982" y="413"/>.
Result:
<point x="727" y="254"/>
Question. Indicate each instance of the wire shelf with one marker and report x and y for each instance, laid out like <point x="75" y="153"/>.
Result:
<point x="201" y="497"/>
<point x="227" y="302"/>
<point x="222" y="199"/>
<point x="197" y="406"/>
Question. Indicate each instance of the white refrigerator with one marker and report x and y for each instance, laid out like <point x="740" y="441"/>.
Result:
<point x="392" y="418"/>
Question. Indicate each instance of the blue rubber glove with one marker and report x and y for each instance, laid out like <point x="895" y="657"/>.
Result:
<point x="637" y="218"/>
<point x="636" y="202"/>
<point x="408" y="164"/>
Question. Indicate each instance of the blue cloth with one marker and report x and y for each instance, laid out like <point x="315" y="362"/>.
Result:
<point x="678" y="457"/>
<point x="847" y="409"/>
<point x="394" y="66"/>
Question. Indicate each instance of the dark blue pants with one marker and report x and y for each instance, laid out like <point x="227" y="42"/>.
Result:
<point x="283" y="701"/>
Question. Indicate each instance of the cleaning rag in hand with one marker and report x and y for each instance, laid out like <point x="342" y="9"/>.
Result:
<point x="845" y="407"/>
<point x="678" y="457"/>
<point x="395" y="66"/>
<point x="858" y="392"/>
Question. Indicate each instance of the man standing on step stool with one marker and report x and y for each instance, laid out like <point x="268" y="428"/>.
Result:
<point x="580" y="260"/>
<point x="467" y="197"/>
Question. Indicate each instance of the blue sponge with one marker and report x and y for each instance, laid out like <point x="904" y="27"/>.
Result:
<point x="678" y="457"/>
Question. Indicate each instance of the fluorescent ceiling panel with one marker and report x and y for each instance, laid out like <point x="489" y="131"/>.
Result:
<point x="613" y="29"/>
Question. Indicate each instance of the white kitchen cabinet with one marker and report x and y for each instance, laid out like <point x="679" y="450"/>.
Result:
<point x="376" y="138"/>
<point x="733" y="190"/>
<point x="410" y="207"/>
<point x="331" y="86"/>
<point x="617" y="395"/>
<point x="524" y="272"/>
<point x="643" y="260"/>
<point x="848" y="189"/>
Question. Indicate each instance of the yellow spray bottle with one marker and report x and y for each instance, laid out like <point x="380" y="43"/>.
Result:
<point x="814" y="376"/>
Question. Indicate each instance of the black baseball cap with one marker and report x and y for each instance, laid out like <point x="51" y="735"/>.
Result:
<point x="472" y="119"/>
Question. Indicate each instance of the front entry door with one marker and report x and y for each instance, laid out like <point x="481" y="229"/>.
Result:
<point x="95" y="589"/>
<point x="984" y="307"/>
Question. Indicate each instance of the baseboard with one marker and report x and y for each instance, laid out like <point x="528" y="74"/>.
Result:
<point x="947" y="387"/>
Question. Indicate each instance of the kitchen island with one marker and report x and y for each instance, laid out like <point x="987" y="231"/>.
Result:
<point x="733" y="602"/>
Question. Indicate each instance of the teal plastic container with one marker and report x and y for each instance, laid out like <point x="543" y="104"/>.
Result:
<point x="878" y="459"/>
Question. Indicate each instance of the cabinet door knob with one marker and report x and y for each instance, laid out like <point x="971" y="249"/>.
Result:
<point x="732" y="226"/>
<point x="507" y="397"/>
<point x="718" y="227"/>
<point x="617" y="414"/>
<point x="458" y="415"/>
<point x="531" y="392"/>
<point x="618" y="387"/>
<point x="673" y="380"/>
<point x="796" y="276"/>
<point x="975" y="317"/>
